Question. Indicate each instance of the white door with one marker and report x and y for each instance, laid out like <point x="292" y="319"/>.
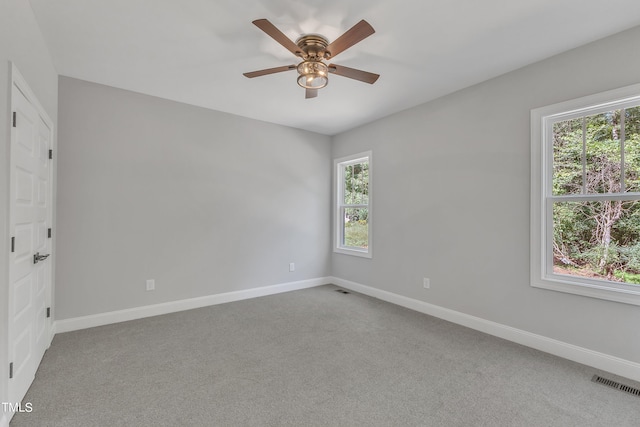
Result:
<point x="30" y="219"/>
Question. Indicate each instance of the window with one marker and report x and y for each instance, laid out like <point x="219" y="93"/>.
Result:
<point x="352" y="223"/>
<point x="585" y="196"/>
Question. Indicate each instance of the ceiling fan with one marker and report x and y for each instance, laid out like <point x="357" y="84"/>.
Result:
<point x="314" y="49"/>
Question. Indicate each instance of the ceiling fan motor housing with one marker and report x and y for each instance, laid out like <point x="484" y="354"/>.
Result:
<point x="313" y="46"/>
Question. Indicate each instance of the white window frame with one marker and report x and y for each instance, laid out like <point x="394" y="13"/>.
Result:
<point x="339" y="206"/>
<point x="542" y="198"/>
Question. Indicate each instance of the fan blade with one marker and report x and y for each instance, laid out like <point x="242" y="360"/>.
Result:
<point x="352" y="73"/>
<point x="355" y="34"/>
<point x="264" y="72"/>
<point x="310" y="93"/>
<point x="278" y="36"/>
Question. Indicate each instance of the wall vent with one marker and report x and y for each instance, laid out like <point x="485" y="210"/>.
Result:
<point x="614" y="384"/>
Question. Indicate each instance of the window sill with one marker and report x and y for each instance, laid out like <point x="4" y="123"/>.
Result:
<point x="353" y="252"/>
<point x="593" y="289"/>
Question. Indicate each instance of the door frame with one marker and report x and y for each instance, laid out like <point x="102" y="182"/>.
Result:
<point x="18" y="82"/>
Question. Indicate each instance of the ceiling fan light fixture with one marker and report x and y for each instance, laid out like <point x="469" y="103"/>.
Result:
<point x="313" y="74"/>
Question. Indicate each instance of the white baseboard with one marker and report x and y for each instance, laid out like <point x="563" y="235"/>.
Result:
<point x="605" y="362"/>
<point x="84" y="322"/>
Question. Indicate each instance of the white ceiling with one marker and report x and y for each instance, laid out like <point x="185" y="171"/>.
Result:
<point x="195" y="51"/>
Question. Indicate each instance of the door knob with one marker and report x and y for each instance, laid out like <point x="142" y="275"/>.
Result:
<point x="37" y="257"/>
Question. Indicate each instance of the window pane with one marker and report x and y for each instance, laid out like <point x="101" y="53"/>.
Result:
<point x="632" y="149"/>
<point x="603" y="153"/>
<point x="356" y="228"/>
<point x="567" y="157"/>
<point x="356" y="184"/>
<point x="599" y="240"/>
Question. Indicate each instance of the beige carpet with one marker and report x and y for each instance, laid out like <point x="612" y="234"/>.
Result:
<point x="314" y="357"/>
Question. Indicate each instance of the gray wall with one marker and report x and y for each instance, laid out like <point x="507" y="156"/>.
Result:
<point x="21" y="43"/>
<point x="201" y="201"/>
<point x="451" y="200"/>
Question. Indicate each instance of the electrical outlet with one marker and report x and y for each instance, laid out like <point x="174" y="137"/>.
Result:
<point x="426" y="283"/>
<point x="151" y="285"/>
<point x="292" y="266"/>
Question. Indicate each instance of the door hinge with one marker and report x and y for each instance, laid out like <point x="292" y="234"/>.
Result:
<point x="10" y="370"/>
<point x="51" y="154"/>
<point x="13" y="244"/>
<point x="49" y="233"/>
<point x="48" y="312"/>
<point x="14" y="119"/>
